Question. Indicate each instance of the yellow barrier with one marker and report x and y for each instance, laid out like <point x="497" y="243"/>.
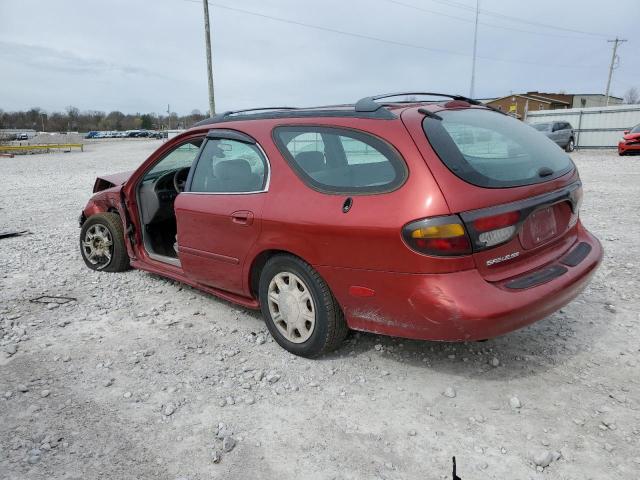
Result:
<point x="26" y="148"/>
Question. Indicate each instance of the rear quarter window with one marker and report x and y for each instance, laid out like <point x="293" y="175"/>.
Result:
<point x="489" y="149"/>
<point x="337" y="160"/>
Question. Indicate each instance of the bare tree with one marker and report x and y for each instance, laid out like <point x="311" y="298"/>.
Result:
<point x="632" y="96"/>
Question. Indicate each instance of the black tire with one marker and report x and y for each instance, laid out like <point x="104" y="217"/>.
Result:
<point x="571" y="146"/>
<point x="119" y="261"/>
<point x="330" y="327"/>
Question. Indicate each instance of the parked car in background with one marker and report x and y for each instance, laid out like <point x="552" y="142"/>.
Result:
<point x="560" y="132"/>
<point x="434" y="220"/>
<point x="91" y="134"/>
<point x="630" y="142"/>
<point x="22" y="136"/>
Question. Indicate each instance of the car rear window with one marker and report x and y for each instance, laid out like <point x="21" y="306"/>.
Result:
<point x="493" y="150"/>
<point x="338" y="160"/>
<point x="541" y="127"/>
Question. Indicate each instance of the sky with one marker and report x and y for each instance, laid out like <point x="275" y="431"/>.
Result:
<point x="140" y="56"/>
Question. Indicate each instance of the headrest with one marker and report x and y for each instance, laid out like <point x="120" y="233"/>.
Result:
<point x="310" y="161"/>
<point x="232" y="169"/>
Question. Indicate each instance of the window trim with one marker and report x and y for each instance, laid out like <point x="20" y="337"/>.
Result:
<point x="211" y="136"/>
<point x="389" y="152"/>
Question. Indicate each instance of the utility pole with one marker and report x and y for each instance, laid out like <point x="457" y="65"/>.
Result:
<point x="168" y="117"/>
<point x="207" y="38"/>
<point x="475" y="45"/>
<point x="614" y="57"/>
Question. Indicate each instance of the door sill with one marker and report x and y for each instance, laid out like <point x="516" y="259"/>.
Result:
<point x="164" y="259"/>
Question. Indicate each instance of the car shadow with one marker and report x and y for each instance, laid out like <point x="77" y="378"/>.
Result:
<point x="530" y="351"/>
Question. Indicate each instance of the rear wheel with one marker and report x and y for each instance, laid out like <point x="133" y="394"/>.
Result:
<point x="571" y="146"/>
<point x="102" y="243"/>
<point x="299" y="309"/>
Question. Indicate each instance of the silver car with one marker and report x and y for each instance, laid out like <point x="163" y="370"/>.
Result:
<point x="560" y="132"/>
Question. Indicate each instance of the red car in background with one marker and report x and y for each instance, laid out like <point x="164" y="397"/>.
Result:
<point x="435" y="220"/>
<point x="630" y="143"/>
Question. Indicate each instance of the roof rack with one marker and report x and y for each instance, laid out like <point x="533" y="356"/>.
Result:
<point x="368" y="104"/>
<point x="258" y="109"/>
<point x="224" y="115"/>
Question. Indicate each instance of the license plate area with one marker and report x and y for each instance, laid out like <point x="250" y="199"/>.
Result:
<point x="539" y="227"/>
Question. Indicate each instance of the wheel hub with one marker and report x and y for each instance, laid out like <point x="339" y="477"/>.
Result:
<point x="291" y="307"/>
<point x="97" y="246"/>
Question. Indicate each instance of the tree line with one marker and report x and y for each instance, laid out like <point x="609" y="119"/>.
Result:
<point x="74" y="120"/>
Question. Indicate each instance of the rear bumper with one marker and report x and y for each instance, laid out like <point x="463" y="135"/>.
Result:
<point x="456" y="306"/>
<point x="624" y="147"/>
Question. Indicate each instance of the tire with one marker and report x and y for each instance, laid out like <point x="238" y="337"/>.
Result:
<point x="571" y="146"/>
<point x="306" y="287"/>
<point x="102" y="228"/>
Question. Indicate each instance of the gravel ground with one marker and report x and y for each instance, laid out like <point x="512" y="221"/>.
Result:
<point x="146" y="378"/>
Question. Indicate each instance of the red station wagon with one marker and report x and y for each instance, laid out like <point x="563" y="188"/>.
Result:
<point x="435" y="220"/>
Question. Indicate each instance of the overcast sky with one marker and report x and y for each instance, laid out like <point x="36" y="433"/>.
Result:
<point x="139" y="56"/>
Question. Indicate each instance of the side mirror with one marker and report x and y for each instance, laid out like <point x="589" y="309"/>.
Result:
<point x="626" y="132"/>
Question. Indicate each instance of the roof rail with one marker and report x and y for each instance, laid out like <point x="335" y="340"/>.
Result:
<point x="258" y="109"/>
<point x="221" y="116"/>
<point x="368" y="104"/>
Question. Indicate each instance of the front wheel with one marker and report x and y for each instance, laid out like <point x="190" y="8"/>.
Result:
<point x="571" y="146"/>
<point x="298" y="307"/>
<point x="102" y="243"/>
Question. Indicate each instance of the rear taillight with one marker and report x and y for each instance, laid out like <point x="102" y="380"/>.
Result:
<point x="496" y="229"/>
<point x="575" y="207"/>
<point x="443" y="236"/>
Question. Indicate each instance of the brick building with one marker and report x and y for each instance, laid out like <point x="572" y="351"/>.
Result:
<point x="518" y="104"/>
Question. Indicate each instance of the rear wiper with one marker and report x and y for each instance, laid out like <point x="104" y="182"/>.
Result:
<point x="545" y="172"/>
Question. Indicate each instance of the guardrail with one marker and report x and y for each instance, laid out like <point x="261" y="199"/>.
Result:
<point x="46" y="148"/>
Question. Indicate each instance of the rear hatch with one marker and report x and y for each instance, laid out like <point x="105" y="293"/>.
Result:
<point x="517" y="193"/>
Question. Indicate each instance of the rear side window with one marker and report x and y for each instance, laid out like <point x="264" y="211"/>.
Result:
<point x="337" y="160"/>
<point x="489" y="149"/>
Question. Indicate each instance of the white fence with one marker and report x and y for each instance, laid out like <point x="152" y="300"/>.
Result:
<point x="596" y="127"/>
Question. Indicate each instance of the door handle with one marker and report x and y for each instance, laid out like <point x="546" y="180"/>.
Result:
<point x="242" y="217"/>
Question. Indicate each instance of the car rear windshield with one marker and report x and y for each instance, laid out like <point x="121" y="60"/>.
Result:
<point x="541" y="127"/>
<point x="493" y="150"/>
<point x="339" y="160"/>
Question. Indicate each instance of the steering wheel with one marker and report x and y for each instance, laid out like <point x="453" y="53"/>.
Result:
<point x="180" y="179"/>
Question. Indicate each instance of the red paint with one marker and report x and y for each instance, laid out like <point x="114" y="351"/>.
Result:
<point x="357" y="291"/>
<point x="381" y="284"/>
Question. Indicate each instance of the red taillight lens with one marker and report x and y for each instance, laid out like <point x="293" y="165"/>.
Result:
<point x="496" y="221"/>
<point x="444" y="236"/>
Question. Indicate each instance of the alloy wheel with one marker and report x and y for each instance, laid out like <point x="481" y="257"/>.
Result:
<point x="97" y="246"/>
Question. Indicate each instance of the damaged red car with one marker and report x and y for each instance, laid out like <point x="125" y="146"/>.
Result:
<point x="434" y="220"/>
<point x="630" y="142"/>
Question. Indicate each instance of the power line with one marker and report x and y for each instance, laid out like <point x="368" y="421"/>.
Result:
<point x="384" y="40"/>
<point x="490" y="25"/>
<point x="517" y="19"/>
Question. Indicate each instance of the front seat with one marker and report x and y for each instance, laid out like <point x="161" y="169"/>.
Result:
<point x="236" y="176"/>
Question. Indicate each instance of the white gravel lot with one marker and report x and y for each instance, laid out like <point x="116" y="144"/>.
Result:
<point x="134" y="378"/>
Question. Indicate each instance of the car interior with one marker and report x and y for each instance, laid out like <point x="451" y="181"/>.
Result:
<point x="156" y="195"/>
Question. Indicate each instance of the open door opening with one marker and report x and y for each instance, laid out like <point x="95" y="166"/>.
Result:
<point x="156" y="195"/>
